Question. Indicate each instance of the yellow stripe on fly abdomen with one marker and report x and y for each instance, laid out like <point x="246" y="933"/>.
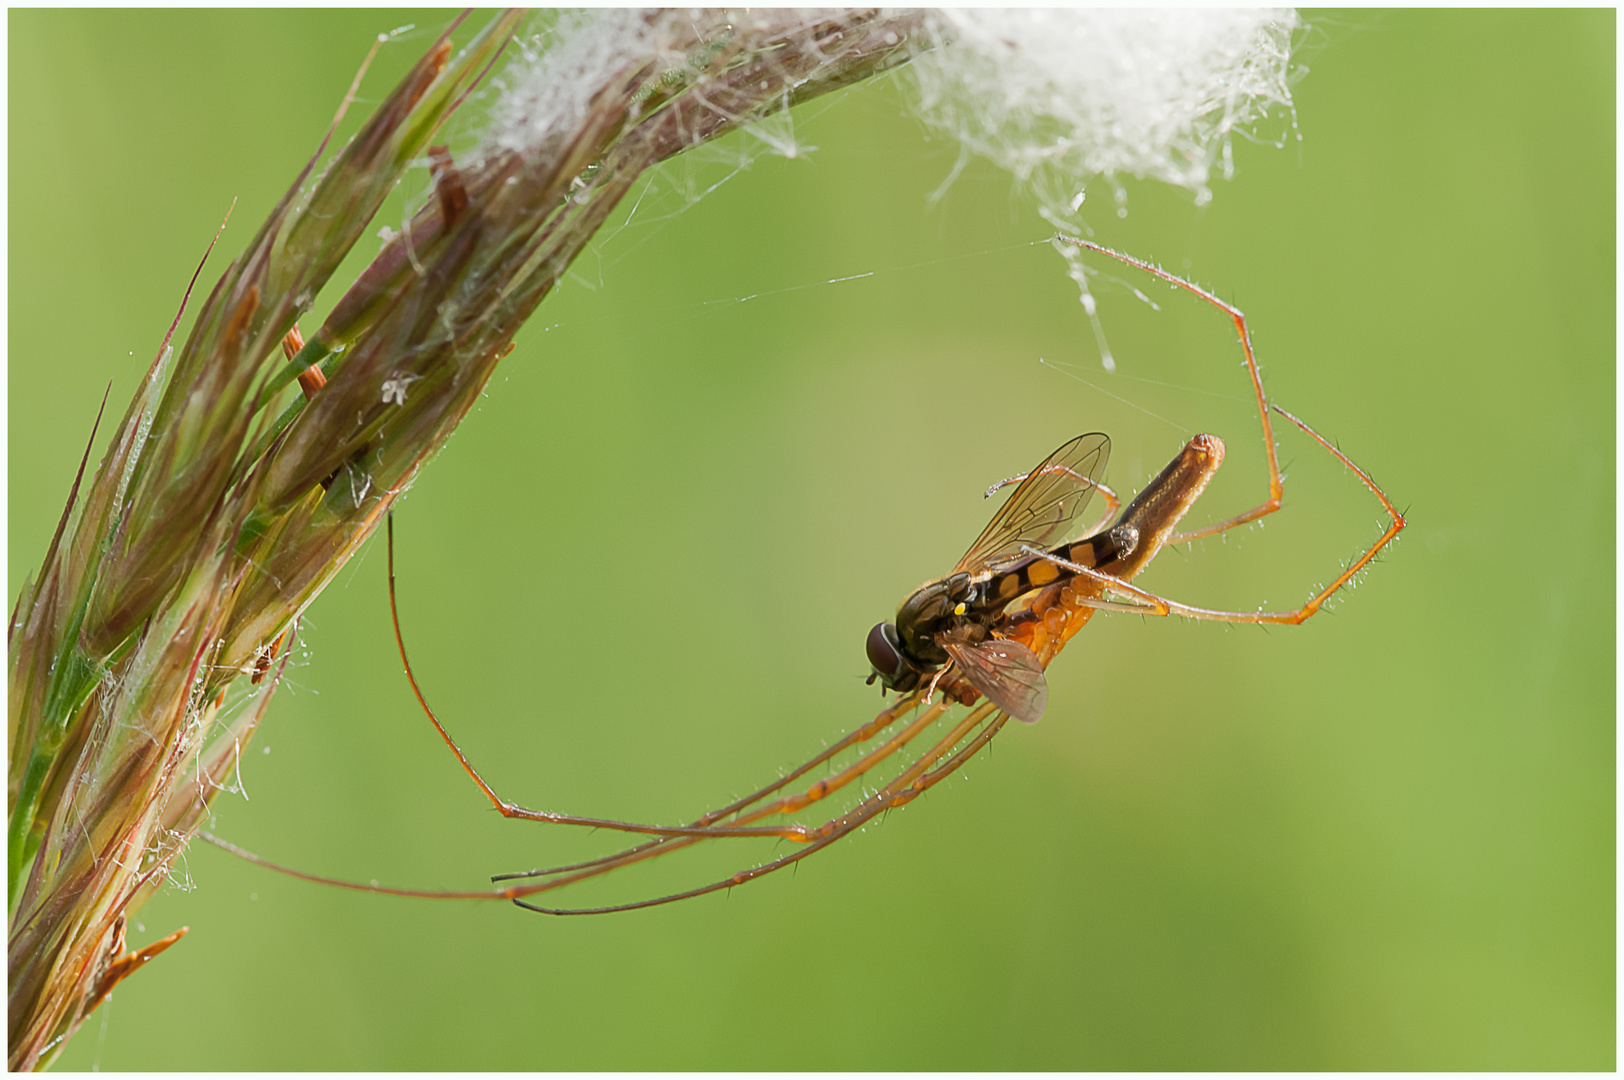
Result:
<point x="1042" y="572"/>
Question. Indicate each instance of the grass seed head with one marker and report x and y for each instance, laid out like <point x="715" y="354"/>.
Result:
<point x="222" y="508"/>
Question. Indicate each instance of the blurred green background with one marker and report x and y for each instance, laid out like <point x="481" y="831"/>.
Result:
<point x="637" y="583"/>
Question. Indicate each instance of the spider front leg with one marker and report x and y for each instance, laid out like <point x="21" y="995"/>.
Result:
<point x="1156" y="512"/>
<point x="1276" y="484"/>
<point x="1318" y="600"/>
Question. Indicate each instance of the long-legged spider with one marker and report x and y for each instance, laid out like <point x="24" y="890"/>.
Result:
<point x="987" y="630"/>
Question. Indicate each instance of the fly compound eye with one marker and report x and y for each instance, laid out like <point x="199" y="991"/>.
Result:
<point x="885" y="652"/>
<point x="891" y="664"/>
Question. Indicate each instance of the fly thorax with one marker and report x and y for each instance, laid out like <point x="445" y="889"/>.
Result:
<point x="932" y="609"/>
<point x="974" y="593"/>
<point x="921" y="616"/>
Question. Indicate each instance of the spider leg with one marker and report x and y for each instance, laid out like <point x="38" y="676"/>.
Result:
<point x="913" y="782"/>
<point x="649" y="849"/>
<point x="901" y="791"/>
<point x="788" y="804"/>
<point x="1112" y="505"/>
<point x="1149" y="603"/>
<point x="1276" y="485"/>
<point x="1269" y="505"/>
<point x="861" y="735"/>
<point x="885" y="719"/>
<point x="791" y="804"/>
<point x="1146" y="603"/>
<point x="702" y="829"/>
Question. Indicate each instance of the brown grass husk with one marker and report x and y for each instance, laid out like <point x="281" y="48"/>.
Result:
<point x="139" y="653"/>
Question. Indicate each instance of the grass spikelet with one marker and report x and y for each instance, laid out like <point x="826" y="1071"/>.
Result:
<point x="141" y="656"/>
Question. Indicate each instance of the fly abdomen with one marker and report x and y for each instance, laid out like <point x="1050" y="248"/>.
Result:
<point x="1095" y="552"/>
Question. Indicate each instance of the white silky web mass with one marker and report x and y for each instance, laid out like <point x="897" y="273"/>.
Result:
<point x="563" y="61"/>
<point x="1060" y="96"/>
<point x="1054" y="95"/>
<point x="1057" y="96"/>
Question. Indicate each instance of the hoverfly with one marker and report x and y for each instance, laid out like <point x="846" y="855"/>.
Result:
<point x="953" y="617"/>
<point x="962" y="617"/>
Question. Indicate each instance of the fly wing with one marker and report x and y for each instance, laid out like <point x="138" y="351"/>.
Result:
<point x="1045" y="504"/>
<point x="1008" y="673"/>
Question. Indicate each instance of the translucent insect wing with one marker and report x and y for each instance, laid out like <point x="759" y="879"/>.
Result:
<point x="1043" y="506"/>
<point x="1008" y="673"/>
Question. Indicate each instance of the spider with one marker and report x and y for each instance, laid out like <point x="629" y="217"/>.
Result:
<point x="981" y="636"/>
